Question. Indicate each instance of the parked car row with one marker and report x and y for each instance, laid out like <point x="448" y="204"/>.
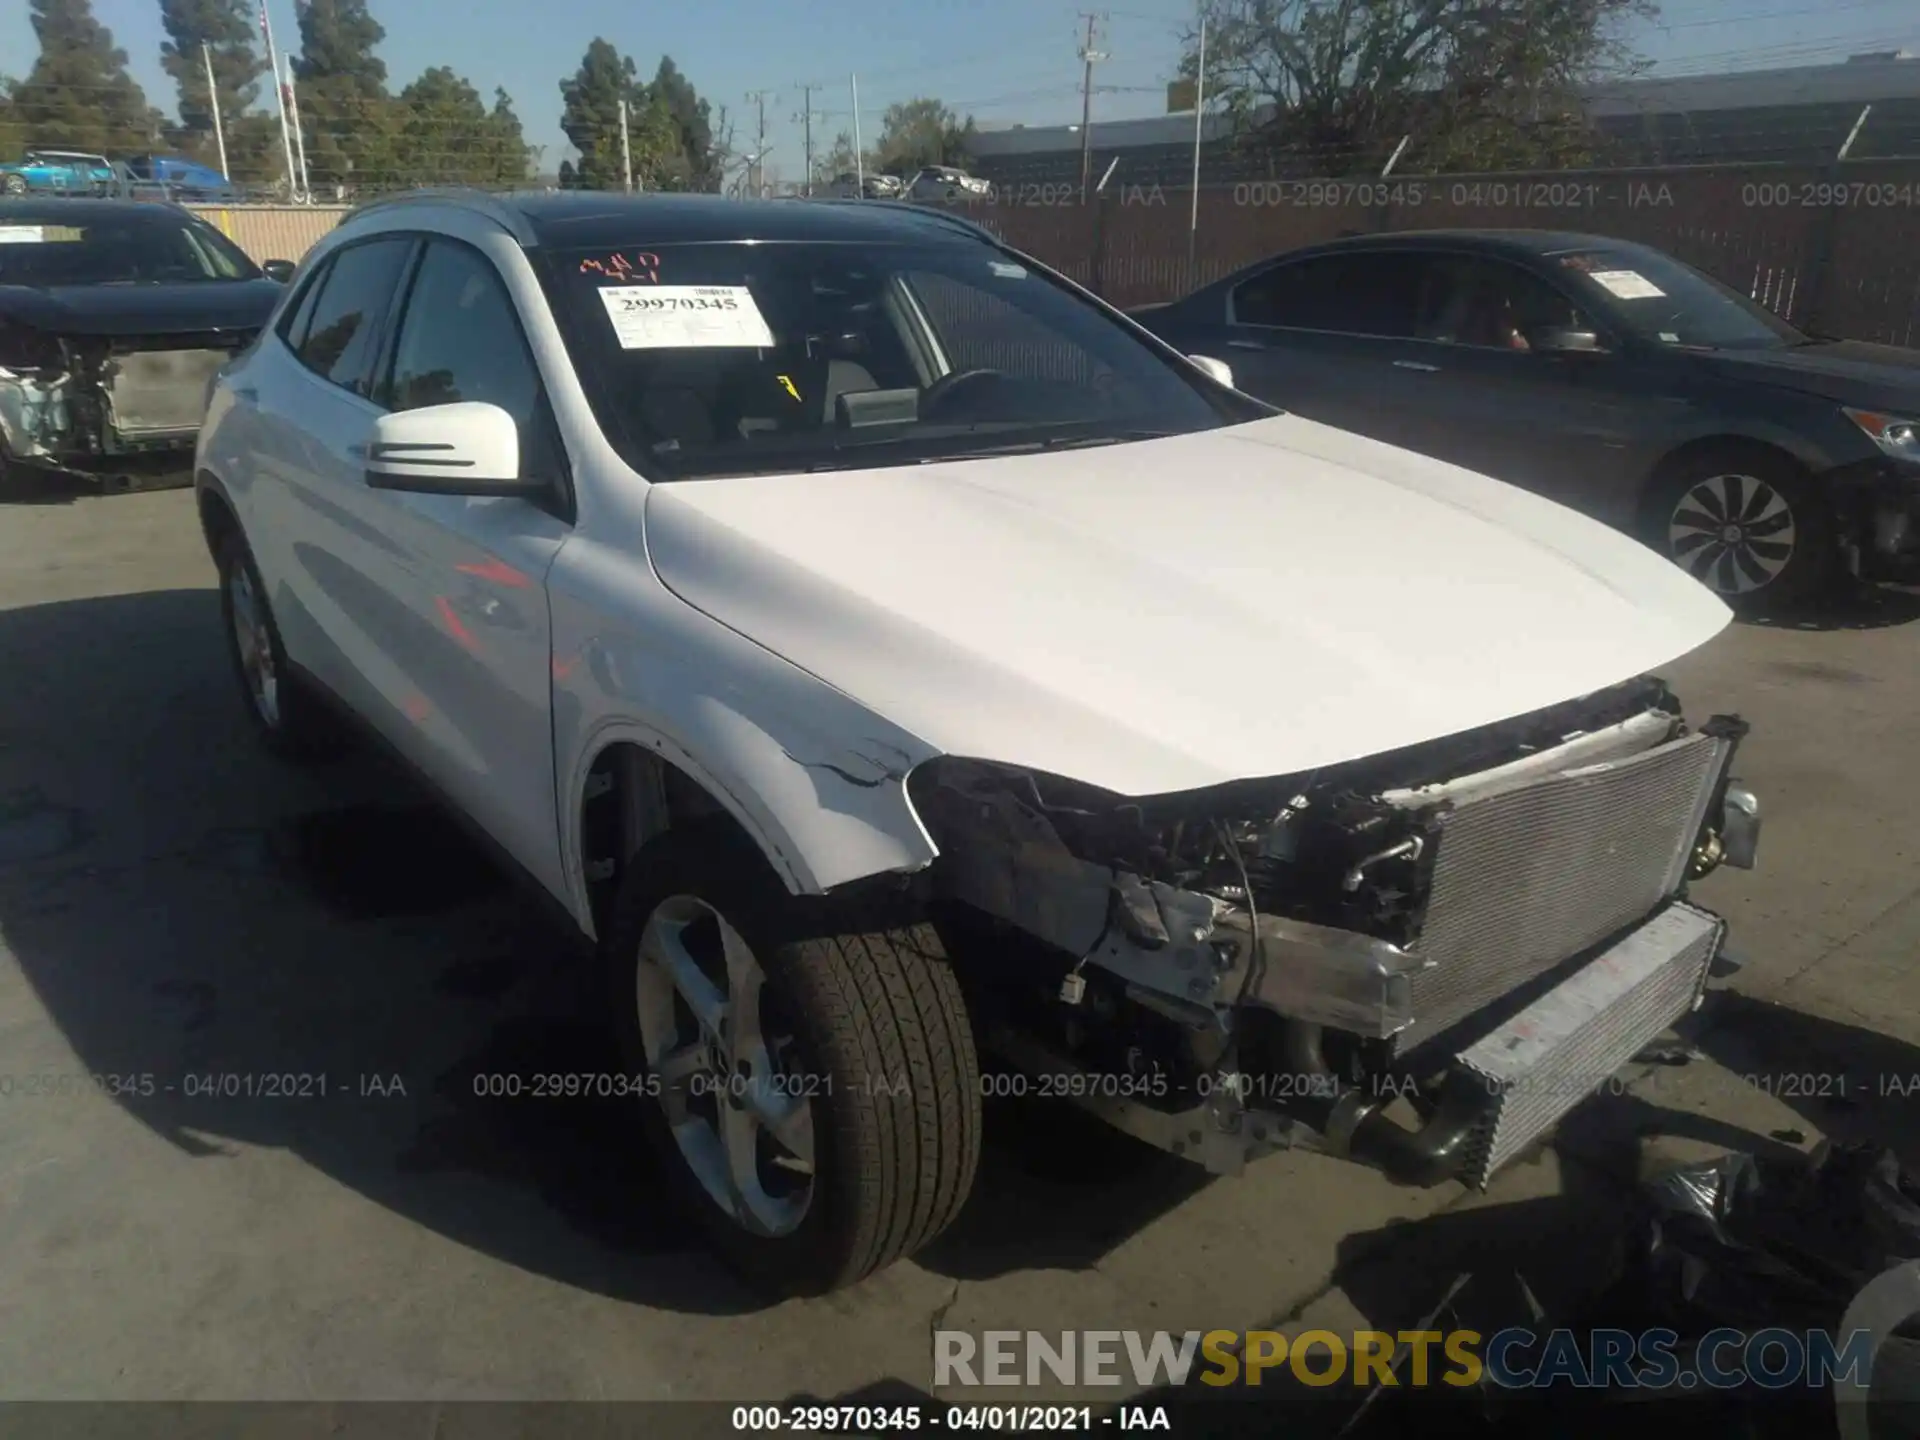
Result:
<point x="77" y="173"/>
<point x="895" y="662"/>
<point x="934" y="184"/>
<point x="870" y="186"/>
<point x="1607" y="375"/>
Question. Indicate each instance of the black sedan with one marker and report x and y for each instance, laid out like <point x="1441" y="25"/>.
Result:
<point x="1603" y="374"/>
<point x="114" y="317"/>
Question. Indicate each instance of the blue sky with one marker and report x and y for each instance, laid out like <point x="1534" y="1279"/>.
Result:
<point x="1001" y="60"/>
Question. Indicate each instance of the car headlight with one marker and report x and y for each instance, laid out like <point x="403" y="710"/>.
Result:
<point x="1899" y="438"/>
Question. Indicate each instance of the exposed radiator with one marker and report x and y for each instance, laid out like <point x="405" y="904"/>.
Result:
<point x="1527" y="878"/>
<point x="163" y="392"/>
<point x="1557" y="1051"/>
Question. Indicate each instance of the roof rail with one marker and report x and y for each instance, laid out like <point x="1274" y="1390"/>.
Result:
<point x="486" y="202"/>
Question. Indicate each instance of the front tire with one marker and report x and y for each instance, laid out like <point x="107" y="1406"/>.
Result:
<point x="1750" y="525"/>
<point x="13" y="184"/>
<point x="290" y="721"/>
<point x="811" y="1080"/>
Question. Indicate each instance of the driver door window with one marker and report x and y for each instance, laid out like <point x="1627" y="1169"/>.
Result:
<point x="1491" y="305"/>
<point x="460" y="339"/>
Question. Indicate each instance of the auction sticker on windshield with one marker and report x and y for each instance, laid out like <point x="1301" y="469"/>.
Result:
<point x="22" y="235"/>
<point x="685" y="317"/>
<point x="1626" y="284"/>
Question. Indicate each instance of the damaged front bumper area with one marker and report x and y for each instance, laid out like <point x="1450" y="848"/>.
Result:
<point x="106" y="412"/>
<point x="1877" y="506"/>
<point x="1423" y="960"/>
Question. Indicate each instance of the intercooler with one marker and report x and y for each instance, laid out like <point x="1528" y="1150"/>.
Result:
<point x="1530" y="875"/>
<point x="1564" y="1046"/>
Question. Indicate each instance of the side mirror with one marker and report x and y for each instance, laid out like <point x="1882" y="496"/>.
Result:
<point x="1561" y="340"/>
<point x="281" y="270"/>
<point x="466" y="448"/>
<point x="1215" y="369"/>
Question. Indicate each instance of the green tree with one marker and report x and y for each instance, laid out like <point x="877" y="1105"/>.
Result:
<point x="448" y="136"/>
<point x="9" y="127"/>
<point x="511" y="158"/>
<point x="440" y="117"/>
<point x="1476" y="83"/>
<point x="226" y="29"/>
<point x="346" y="114"/>
<point x="840" y="159"/>
<point x="695" y="165"/>
<point x="590" y="118"/>
<point x="915" y="133"/>
<point x="78" y="94"/>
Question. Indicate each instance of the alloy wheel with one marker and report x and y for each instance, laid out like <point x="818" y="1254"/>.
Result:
<point x="714" y="1037"/>
<point x="254" y="645"/>
<point x="1734" y="533"/>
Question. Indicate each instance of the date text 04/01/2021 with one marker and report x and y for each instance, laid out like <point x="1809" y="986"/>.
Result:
<point x="906" y="1418"/>
<point x="200" y="1085"/>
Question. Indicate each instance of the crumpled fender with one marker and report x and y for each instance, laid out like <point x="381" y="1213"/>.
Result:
<point x="815" y="777"/>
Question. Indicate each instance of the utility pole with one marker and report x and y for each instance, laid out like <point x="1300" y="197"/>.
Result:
<point x="806" y="118"/>
<point x="759" y="99"/>
<point x="1089" y="58"/>
<point x="626" y="150"/>
<point x="213" y="106"/>
<point x="859" y="162"/>
<point x="1199" y="110"/>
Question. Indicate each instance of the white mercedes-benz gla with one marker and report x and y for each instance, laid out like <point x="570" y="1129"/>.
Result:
<point x="896" y="660"/>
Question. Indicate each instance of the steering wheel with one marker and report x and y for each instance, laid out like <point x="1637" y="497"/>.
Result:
<point x="947" y="386"/>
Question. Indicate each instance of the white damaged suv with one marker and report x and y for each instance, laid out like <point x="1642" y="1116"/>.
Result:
<point x="897" y="661"/>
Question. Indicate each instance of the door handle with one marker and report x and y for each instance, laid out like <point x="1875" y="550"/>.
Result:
<point x="1421" y="366"/>
<point x="1245" y="345"/>
<point x="247" y="393"/>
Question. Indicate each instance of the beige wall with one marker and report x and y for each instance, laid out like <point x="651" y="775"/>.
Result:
<point x="273" y="232"/>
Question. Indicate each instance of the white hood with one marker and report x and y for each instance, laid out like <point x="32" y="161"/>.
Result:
<point x="1171" y="614"/>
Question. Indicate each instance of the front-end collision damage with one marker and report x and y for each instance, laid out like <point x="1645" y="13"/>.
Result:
<point x="1293" y="961"/>
<point x="101" y="408"/>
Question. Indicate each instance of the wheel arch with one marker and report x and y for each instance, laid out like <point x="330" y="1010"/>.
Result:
<point x="218" y="517"/>
<point x="818" y="826"/>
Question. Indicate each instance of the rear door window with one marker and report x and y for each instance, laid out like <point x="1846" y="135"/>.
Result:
<point x="1376" y="294"/>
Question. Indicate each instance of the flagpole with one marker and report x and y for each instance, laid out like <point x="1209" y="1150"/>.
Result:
<point x="213" y="106"/>
<point x="280" y="97"/>
<point x="299" y="135"/>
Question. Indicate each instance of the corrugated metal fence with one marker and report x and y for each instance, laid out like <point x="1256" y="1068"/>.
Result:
<point x="1833" y="247"/>
<point x="273" y="232"/>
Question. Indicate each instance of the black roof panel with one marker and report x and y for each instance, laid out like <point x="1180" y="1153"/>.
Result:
<point x="587" y="219"/>
<point x="57" y="210"/>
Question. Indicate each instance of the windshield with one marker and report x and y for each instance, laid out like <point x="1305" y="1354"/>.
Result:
<point x="136" y="250"/>
<point x="749" y="358"/>
<point x="1656" y="298"/>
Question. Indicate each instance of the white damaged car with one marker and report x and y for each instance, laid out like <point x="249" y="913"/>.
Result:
<point x="898" y="662"/>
